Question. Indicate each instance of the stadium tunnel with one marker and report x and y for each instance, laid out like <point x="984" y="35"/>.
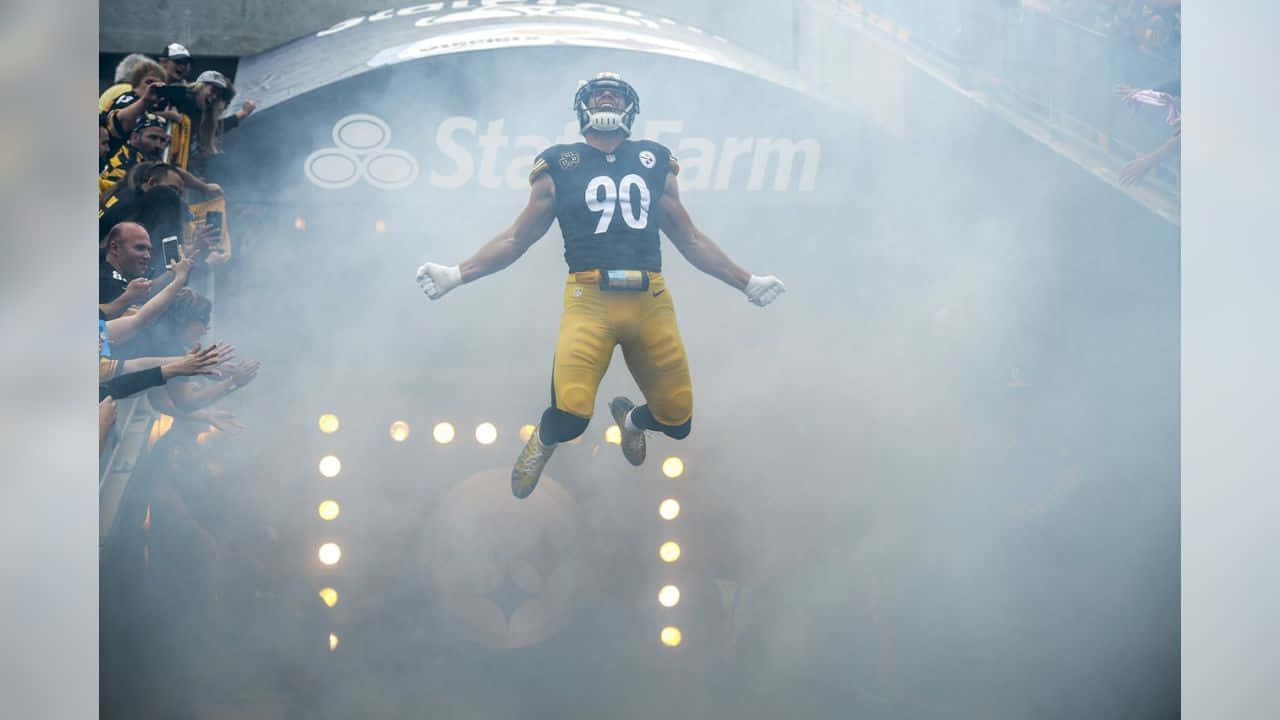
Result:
<point x="403" y="136"/>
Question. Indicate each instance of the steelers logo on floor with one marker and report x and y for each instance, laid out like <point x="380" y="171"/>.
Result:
<point x="505" y="572"/>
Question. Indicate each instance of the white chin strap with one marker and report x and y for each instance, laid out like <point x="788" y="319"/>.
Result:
<point x="605" y="121"/>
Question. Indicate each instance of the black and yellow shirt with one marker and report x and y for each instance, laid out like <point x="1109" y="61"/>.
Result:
<point x="118" y="166"/>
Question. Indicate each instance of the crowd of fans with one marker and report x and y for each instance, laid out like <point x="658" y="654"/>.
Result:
<point x="1155" y="26"/>
<point x="161" y="229"/>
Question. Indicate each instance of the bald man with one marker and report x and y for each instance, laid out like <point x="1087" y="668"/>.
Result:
<point x="121" y="275"/>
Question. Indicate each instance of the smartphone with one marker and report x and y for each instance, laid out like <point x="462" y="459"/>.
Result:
<point x="171" y="93"/>
<point x="170" y="245"/>
<point x="214" y="218"/>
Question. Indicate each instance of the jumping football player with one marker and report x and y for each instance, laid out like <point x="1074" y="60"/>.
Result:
<point x="611" y="196"/>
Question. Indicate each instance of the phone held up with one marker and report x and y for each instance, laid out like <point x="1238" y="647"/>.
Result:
<point x="172" y="94"/>
<point x="170" y="245"/>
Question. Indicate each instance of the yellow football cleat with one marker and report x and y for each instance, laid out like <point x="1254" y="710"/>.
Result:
<point x="528" y="467"/>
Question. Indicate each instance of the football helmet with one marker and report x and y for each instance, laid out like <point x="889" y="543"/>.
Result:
<point x="604" y="120"/>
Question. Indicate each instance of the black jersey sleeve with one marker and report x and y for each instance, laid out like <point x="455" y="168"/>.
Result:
<point x="544" y="163"/>
<point x="540" y="166"/>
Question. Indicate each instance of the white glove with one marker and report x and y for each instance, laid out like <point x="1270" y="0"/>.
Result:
<point x="436" y="280"/>
<point x="763" y="290"/>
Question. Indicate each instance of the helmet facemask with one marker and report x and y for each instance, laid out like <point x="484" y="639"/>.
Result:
<point x="619" y="120"/>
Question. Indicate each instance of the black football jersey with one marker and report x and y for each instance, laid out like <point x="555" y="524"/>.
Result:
<point x="607" y="203"/>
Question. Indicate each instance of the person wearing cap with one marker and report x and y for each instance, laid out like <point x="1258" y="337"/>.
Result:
<point x="203" y="104"/>
<point x="147" y="142"/>
<point x="176" y="61"/>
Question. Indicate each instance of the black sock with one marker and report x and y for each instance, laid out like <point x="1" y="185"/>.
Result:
<point x="644" y="419"/>
<point x="558" y="426"/>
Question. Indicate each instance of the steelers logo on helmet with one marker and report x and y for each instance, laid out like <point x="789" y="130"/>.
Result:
<point x="606" y="119"/>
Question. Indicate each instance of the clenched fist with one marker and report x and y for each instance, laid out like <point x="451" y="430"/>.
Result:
<point x="436" y="280"/>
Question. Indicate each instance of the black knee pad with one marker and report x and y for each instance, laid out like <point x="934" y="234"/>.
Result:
<point x="558" y="426"/>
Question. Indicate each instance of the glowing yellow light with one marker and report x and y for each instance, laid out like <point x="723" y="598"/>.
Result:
<point x="330" y="466"/>
<point x="486" y="433"/>
<point x="671" y="636"/>
<point x="399" y="431"/>
<point x="380" y="226"/>
<point x="526" y="432"/>
<point x="669" y="595"/>
<point x="330" y="553"/>
<point x="669" y="509"/>
<point x="159" y="428"/>
<point x="328" y="423"/>
<point x="443" y="433"/>
<point x="333" y="642"/>
<point x="329" y="509"/>
<point x="613" y="435"/>
<point x="203" y="438"/>
<point x="672" y="467"/>
<point x="329" y="596"/>
<point x="299" y="223"/>
<point x="669" y="551"/>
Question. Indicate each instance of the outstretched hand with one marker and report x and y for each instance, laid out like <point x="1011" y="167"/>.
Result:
<point x="200" y="361"/>
<point x="764" y="290"/>
<point x="242" y="373"/>
<point x="436" y="280"/>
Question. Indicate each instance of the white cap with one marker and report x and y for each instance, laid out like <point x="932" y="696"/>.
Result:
<point x="213" y="77"/>
<point x="175" y="51"/>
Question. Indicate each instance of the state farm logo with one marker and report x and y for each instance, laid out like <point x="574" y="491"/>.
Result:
<point x="469" y="153"/>
<point x="360" y="152"/>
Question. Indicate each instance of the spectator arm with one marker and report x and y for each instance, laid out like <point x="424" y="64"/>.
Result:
<point x="230" y="122"/>
<point x="1169" y="145"/>
<point x="192" y="181"/>
<point x="122" y="386"/>
<point x="187" y="398"/>
<point x="114" y="309"/>
<point x="145" y="363"/>
<point x="123" y="328"/>
<point x="127" y="116"/>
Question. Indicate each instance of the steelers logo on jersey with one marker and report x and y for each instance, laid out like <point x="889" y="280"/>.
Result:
<point x="569" y="159"/>
<point x="647" y="159"/>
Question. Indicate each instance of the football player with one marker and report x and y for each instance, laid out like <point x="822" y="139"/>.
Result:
<point x="611" y="195"/>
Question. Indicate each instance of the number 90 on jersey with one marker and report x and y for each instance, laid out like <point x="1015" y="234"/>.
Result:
<point x="606" y="198"/>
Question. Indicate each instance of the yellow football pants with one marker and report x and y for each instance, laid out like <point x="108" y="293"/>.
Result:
<point x="643" y="322"/>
